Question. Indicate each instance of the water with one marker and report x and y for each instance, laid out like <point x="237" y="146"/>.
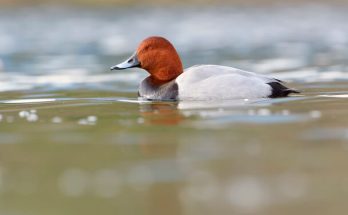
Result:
<point x="74" y="138"/>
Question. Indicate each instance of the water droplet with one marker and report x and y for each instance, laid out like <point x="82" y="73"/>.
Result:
<point x="57" y="119"/>
<point x="92" y="118"/>
<point x="83" y="122"/>
<point x="32" y="118"/>
<point x="23" y="114"/>
<point x="315" y="114"/>
<point x="264" y="112"/>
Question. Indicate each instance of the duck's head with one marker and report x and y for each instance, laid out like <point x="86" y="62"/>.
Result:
<point x="157" y="56"/>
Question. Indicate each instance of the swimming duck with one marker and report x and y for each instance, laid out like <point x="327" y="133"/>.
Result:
<point x="169" y="81"/>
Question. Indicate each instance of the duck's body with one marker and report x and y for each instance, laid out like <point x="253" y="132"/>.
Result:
<point x="168" y="81"/>
<point x="214" y="82"/>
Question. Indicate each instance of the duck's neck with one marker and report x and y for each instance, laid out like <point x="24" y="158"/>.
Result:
<point x="164" y="76"/>
<point x="157" y="82"/>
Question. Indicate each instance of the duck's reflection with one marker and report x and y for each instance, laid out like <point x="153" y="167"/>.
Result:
<point x="173" y="113"/>
<point x="161" y="113"/>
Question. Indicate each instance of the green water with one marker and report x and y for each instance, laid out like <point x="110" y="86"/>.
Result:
<point x="265" y="157"/>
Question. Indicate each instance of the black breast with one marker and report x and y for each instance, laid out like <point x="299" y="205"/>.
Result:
<point x="154" y="90"/>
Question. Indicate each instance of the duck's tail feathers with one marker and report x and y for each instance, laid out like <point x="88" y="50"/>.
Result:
<point x="279" y="90"/>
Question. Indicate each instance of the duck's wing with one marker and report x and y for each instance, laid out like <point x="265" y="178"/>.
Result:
<point x="222" y="82"/>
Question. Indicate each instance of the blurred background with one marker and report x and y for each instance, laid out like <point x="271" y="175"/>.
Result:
<point x="74" y="139"/>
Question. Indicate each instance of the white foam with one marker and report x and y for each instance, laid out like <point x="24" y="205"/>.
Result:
<point x="23" y="101"/>
<point x="335" y="96"/>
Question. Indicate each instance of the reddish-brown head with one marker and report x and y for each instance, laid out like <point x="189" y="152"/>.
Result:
<point x="157" y="56"/>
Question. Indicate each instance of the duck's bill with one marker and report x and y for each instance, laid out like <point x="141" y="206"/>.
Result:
<point x="129" y="63"/>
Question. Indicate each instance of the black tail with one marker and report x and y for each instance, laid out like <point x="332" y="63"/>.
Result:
<point x="279" y="90"/>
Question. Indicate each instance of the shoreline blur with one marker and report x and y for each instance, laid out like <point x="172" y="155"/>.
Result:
<point x="163" y="3"/>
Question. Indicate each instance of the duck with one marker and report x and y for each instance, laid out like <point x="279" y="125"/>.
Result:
<point x="168" y="80"/>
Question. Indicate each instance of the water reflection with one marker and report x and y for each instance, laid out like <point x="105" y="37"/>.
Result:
<point x="161" y="113"/>
<point x="219" y="113"/>
<point x="228" y="157"/>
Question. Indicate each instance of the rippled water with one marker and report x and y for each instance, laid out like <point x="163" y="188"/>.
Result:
<point x="74" y="138"/>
